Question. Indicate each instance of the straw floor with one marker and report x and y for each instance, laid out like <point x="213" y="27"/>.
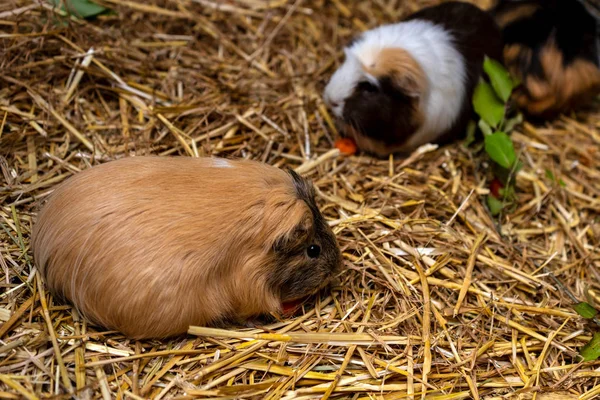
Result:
<point x="438" y="300"/>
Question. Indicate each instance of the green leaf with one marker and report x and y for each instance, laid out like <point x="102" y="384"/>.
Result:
<point x="514" y="121"/>
<point x="586" y="310"/>
<point x="518" y="166"/>
<point x="471" y="127"/>
<point x="550" y="176"/>
<point x="485" y="128"/>
<point x="487" y="105"/>
<point x="591" y="351"/>
<point x="80" y="8"/>
<point x="516" y="81"/>
<point x="494" y="205"/>
<point x="500" y="149"/>
<point x="477" y="147"/>
<point x="500" y="78"/>
<point x="507" y="192"/>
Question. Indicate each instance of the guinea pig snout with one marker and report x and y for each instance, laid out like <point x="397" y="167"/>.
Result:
<point x="333" y="104"/>
<point x="338" y="108"/>
<point x="336" y="105"/>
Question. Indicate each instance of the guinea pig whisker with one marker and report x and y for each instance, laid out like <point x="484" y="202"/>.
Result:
<point x="352" y="122"/>
<point x="355" y="124"/>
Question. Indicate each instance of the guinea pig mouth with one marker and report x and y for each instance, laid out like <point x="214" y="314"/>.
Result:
<point x="294" y="302"/>
<point x="301" y="299"/>
<point x="290" y="307"/>
<point x="342" y="125"/>
<point x="373" y="146"/>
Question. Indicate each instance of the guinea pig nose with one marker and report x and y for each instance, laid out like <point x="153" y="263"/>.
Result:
<point x="329" y="102"/>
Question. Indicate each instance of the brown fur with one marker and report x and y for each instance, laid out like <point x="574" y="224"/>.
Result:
<point x="551" y="46"/>
<point x="371" y="146"/>
<point x="519" y="11"/>
<point x="408" y="76"/>
<point x="562" y="87"/>
<point x="151" y="245"/>
<point x="402" y="68"/>
<point x="515" y="54"/>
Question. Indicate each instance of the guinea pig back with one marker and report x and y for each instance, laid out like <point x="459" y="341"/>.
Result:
<point x="553" y="48"/>
<point x="151" y="245"/>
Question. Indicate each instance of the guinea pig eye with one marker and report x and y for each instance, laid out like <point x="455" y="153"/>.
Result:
<point x="366" y="87"/>
<point x="313" y="251"/>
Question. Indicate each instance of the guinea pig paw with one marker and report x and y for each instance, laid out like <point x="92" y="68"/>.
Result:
<point x="251" y="323"/>
<point x="257" y="321"/>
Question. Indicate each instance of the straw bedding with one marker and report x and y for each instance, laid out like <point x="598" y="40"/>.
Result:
<point x="439" y="300"/>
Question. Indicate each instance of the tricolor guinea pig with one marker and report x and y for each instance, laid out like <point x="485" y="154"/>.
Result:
<point x="410" y="83"/>
<point x="151" y="245"/>
<point x="553" y="47"/>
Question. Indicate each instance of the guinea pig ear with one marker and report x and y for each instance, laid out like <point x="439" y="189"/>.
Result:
<point x="397" y="70"/>
<point x="304" y="188"/>
<point x="297" y="233"/>
<point x="295" y="228"/>
<point x="407" y="84"/>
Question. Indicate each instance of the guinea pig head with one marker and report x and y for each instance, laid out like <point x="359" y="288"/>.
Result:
<point x="305" y="252"/>
<point x="377" y="96"/>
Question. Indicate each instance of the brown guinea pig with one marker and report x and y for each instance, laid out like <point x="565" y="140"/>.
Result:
<point x="151" y="245"/>
<point x="411" y="83"/>
<point x="553" y="47"/>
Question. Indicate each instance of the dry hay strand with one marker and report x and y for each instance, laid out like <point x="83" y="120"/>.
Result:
<point x="438" y="300"/>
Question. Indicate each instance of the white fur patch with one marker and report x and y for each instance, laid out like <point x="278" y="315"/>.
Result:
<point x="431" y="46"/>
<point x="221" y="163"/>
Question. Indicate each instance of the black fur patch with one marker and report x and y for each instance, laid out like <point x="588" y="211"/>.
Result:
<point x="572" y="26"/>
<point x="305" y="190"/>
<point x="298" y="275"/>
<point x="354" y="39"/>
<point x="384" y="113"/>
